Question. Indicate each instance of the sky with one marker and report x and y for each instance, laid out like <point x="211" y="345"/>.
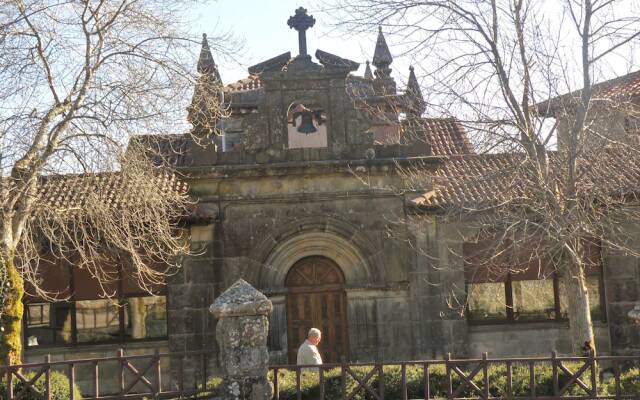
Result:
<point x="263" y="26"/>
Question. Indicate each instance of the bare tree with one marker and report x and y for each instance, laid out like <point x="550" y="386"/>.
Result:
<point x="558" y="189"/>
<point x="77" y="80"/>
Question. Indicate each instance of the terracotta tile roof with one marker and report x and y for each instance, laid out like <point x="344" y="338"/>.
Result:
<point x="469" y="179"/>
<point x="623" y="88"/>
<point x="472" y="180"/>
<point x="252" y="82"/>
<point x="70" y="192"/>
<point x="447" y="136"/>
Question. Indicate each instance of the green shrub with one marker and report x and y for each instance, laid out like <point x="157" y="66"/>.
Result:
<point x="59" y="387"/>
<point x="630" y="382"/>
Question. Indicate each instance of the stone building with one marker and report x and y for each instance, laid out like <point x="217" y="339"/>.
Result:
<point x="297" y="197"/>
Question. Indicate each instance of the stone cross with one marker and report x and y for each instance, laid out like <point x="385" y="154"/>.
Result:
<point x="241" y="333"/>
<point x="301" y="21"/>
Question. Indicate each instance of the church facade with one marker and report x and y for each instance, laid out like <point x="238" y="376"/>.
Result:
<point x="296" y="197"/>
<point x="298" y="200"/>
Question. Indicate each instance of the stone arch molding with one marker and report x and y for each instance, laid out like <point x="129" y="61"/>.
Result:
<point x="331" y="243"/>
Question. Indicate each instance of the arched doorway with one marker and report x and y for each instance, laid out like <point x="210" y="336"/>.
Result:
<point x="317" y="299"/>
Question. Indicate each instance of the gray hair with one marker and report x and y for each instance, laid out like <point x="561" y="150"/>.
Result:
<point x="314" y="332"/>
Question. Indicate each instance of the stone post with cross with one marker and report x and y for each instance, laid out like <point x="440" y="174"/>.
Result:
<point x="241" y="333"/>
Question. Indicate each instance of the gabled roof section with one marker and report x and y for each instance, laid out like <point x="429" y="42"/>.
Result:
<point x="471" y="180"/>
<point x="476" y="180"/>
<point x="273" y="64"/>
<point x="69" y="192"/>
<point x="621" y="89"/>
<point x="333" y="61"/>
<point x="447" y="136"/>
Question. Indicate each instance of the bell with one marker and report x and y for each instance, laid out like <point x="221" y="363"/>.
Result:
<point x="306" y="123"/>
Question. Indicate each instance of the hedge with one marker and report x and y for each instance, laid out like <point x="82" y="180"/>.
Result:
<point x="59" y="387"/>
<point x="630" y="382"/>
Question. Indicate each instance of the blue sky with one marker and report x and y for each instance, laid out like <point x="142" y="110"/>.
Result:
<point x="263" y="25"/>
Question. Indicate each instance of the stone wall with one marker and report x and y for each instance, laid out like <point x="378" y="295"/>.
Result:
<point x="530" y="339"/>
<point x="436" y="288"/>
<point x="189" y="295"/>
<point x="379" y="325"/>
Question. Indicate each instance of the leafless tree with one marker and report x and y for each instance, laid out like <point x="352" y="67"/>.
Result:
<point x="560" y="187"/>
<point x="77" y="80"/>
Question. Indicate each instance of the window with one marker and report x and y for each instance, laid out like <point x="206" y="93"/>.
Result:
<point x="527" y="300"/>
<point x="533" y="300"/>
<point x="487" y="301"/>
<point x="532" y="292"/>
<point x="96" y="321"/>
<point x="48" y="324"/>
<point x="145" y="317"/>
<point x="133" y="315"/>
<point x="512" y="300"/>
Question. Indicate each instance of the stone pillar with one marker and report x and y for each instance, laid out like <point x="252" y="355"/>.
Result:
<point x="241" y="333"/>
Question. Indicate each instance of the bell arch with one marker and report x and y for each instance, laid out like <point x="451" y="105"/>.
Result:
<point x="345" y="254"/>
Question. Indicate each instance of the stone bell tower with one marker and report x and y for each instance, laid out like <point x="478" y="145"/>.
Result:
<point x="305" y="103"/>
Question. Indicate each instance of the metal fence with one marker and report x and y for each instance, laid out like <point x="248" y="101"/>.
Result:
<point x="190" y="375"/>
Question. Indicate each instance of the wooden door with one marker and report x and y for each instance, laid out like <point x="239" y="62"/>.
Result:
<point x="317" y="299"/>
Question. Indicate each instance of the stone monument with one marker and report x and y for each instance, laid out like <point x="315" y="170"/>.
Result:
<point x="241" y="333"/>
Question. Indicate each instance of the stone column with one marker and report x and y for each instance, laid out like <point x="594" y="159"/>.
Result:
<point x="241" y="333"/>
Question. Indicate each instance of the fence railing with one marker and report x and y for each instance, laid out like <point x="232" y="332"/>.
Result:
<point x="190" y="375"/>
<point x="157" y="375"/>
<point x="554" y="377"/>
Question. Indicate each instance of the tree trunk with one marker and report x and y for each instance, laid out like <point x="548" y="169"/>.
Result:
<point x="581" y="328"/>
<point x="11" y="336"/>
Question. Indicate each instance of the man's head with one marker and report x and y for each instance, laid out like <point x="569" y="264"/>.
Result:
<point x="314" y="336"/>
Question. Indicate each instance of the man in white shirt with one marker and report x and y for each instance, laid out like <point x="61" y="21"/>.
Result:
<point x="308" y="351"/>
